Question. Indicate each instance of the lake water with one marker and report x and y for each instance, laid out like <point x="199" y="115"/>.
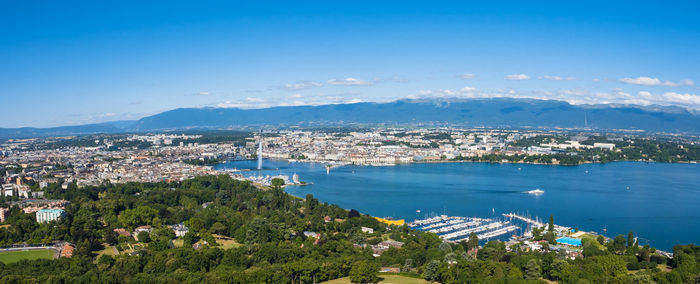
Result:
<point x="659" y="202"/>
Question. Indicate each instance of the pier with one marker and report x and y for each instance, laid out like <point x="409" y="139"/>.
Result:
<point x="524" y="219"/>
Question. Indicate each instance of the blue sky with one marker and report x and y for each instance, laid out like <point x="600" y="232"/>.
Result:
<point x="65" y="63"/>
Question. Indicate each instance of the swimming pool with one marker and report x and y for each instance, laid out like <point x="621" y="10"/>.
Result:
<point x="569" y="241"/>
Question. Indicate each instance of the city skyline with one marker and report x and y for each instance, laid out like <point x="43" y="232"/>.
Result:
<point x="86" y="63"/>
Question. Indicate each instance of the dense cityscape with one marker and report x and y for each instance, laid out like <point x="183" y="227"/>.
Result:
<point x="155" y="157"/>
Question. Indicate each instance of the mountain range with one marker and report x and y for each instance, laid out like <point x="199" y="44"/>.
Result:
<point x="494" y="112"/>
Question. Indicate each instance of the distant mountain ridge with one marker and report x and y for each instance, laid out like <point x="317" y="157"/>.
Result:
<point x="495" y="112"/>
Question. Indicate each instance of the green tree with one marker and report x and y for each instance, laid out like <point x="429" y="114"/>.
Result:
<point x="600" y="239"/>
<point x="259" y="231"/>
<point x="630" y="239"/>
<point x="277" y="183"/>
<point x="532" y="270"/>
<point x="617" y="245"/>
<point x="353" y="213"/>
<point x="364" y="272"/>
<point x="141" y="215"/>
<point x="560" y="270"/>
<point x="445" y="247"/>
<point x="144" y="236"/>
<point x="551" y="237"/>
<point x="473" y="241"/>
<point x="190" y="239"/>
<point x="551" y="224"/>
<point x="110" y="237"/>
<point x="431" y="272"/>
<point x="644" y="254"/>
<point x="408" y="265"/>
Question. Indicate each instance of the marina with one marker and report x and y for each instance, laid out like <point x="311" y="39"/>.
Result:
<point x="508" y="226"/>
<point x="456" y="229"/>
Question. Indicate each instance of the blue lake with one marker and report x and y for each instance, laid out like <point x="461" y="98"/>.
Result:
<point x="659" y="202"/>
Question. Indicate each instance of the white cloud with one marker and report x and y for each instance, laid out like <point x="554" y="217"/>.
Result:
<point x="645" y="95"/>
<point x="687" y="82"/>
<point x="255" y="100"/>
<point x="552" y="78"/>
<point x="199" y="94"/>
<point x="467" y="76"/>
<point x="648" y="81"/>
<point x="348" y="82"/>
<point x="574" y="96"/>
<point x="246" y="103"/>
<point x="517" y="77"/>
<point x="641" y="102"/>
<point x="557" y="78"/>
<point x="690" y="99"/>
<point x="293" y="100"/>
<point x="680" y="83"/>
<point x="392" y="79"/>
<point x="302" y="85"/>
<point x="229" y="104"/>
<point x="467" y="89"/>
<point x="644" y="81"/>
<point x="106" y="115"/>
<point x="441" y="93"/>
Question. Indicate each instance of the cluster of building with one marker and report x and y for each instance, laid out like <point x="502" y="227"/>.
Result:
<point x="94" y="165"/>
<point x="27" y="167"/>
<point x="394" y="146"/>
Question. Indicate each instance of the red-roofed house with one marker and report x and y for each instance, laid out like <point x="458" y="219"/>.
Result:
<point x="67" y="250"/>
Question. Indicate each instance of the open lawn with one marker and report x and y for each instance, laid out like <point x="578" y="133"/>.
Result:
<point x="664" y="267"/>
<point x="15" y="256"/>
<point x="223" y="241"/>
<point x="108" y="250"/>
<point x="593" y="239"/>
<point x="226" y="242"/>
<point x="386" y="279"/>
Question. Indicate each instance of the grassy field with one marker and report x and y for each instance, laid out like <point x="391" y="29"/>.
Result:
<point x="108" y="250"/>
<point x="15" y="256"/>
<point x="386" y="279"/>
<point x="593" y="240"/>
<point x="224" y="242"/>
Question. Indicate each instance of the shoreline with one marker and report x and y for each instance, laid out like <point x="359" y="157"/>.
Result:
<point x="463" y="161"/>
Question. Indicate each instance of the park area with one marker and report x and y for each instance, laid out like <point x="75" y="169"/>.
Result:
<point x="15" y="256"/>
